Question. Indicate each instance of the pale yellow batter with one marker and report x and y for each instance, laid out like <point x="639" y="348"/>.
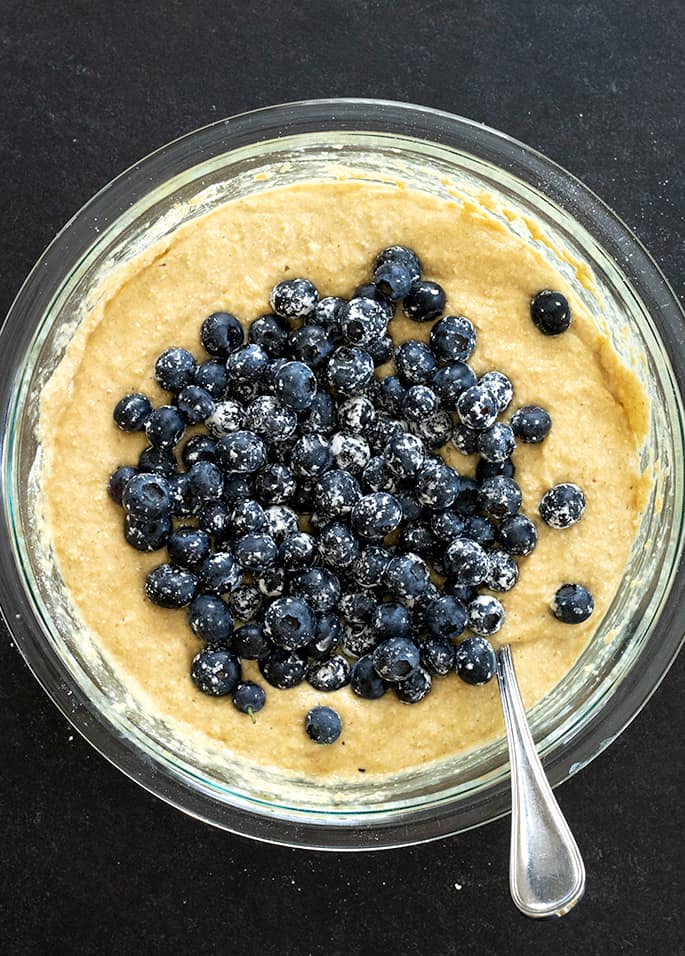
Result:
<point x="330" y="232"/>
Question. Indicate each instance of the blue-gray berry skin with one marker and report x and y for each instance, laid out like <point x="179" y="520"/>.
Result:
<point x="445" y="617"/>
<point x="147" y="534"/>
<point x="350" y="452"/>
<point x="407" y="577"/>
<point x="290" y="623"/>
<point x="164" y="427"/>
<point x="405" y="455"/>
<point x="369" y="568"/>
<point x="494" y="469"/>
<point x="328" y="636"/>
<point x="211" y="376"/>
<point x="325" y="314"/>
<point x="295" y="385"/>
<point x="240" y="452"/>
<point x="415" y="363"/>
<point x="195" y="404"/>
<point x="517" y="535"/>
<point x="425" y="301"/>
<point x="396" y="659"/>
<point x="174" y="369"/>
<point x="132" y="411"/>
<point x="329" y="674"/>
<point x="475" y="661"/>
<point x="267" y="417"/>
<point x="437" y="485"/>
<point x="500" y="386"/>
<point x="170" y="587"/>
<point x="323" y="725"/>
<point x="572" y="604"/>
<point x="158" y="461"/>
<point x="414" y="688"/>
<point x="188" y="547"/>
<point x="147" y="496"/>
<point x="283" y="668"/>
<point x="453" y="339"/>
<point x="338" y="547"/>
<point x="350" y="369"/>
<point x="294" y="298"/>
<point x="485" y="615"/>
<point x="250" y="643"/>
<point x="249" y="698"/>
<point x="531" y="424"/>
<point x="500" y="497"/>
<point x="376" y="515"/>
<point x="198" y="448"/>
<point x="319" y="587"/>
<point x="320" y="417"/>
<point x="438" y="655"/>
<point x="377" y="476"/>
<point x="118" y="481"/>
<point x="503" y="572"/>
<point x="219" y="573"/>
<point x="216" y="671"/>
<point x="362" y="321"/>
<point x="420" y="401"/>
<point x="393" y="279"/>
<point x="270" y="332"/>
<point x="255" y="552"/>
<point x="210" y="619"/>
<point x="435" y="430"/>
<point x="364" y="680"/>
<point x="214" y="518"/>
<point x="275" y="484"/>
<point x="477" y="407"/>
<point x="391" y="620"/>
<point x="451" y="381"/>
<point x="221" y="334"/>
<point x="311" y="344"/>
<point x="297" y="551"/>
<point x="550" y="312"/>
<point x="466" y="562"/>
<point x="562" y="506"/>
<point x="496" y="443"/>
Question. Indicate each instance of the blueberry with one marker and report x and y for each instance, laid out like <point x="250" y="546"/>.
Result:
<point x="467" y="501"/>
<point x="214" y="517"/>
<point x="562" y="506"/>
<point x="311" y="456"/>
<point x="407" y="576"/>
<point x="188" y="547"/>
<point x="249" y="641"/>
<point x="465" y="439"/>
<point x="405" y="455"/>
<point x="477" y="407"/>
<point x="321" y="416"/>
<point x="131" y="412"/>
<point x="249" y="698"/>
<point x="486" y="615"/>
<point x="531" y="424"/>
<point x="415" y="687"/>
<point x="403" y="255"/>
<point x="382" y="430"/>
<point x="295" y="385"/>
<point x="411" y="509"/>
<point x="395" y="271"/>
<point x="219" y="573"/>
<point x="475" y="661"/>
<point x="246" y="365"/>
<point x="280" y="522"/>
<point x="503" y="572"/>
<point x="494" y="469"/>
<point x="453" y="339"/>
<point x="437" y="655"/>
<point x="198" y="448"/>
<point x="328" y="636"/>
<point x="358" y="639"/>
<point x="221" y="334"/>
<point x="195" y="404"/>
<point x="247" y="516"/>
<point x="436" y="485"/>
<point x="243" y="392"/>
<point x="392" y="394"/>
<point x="496" y="443"/>
<point x="319" y="587"/>
<point x="164" y="427"/>
<point x="425" y="301"/>
<point x="323" y="725"/>
<point x="419" y="402"/>
<point x="415" y="363"/>
<point x="362" y="321"/>
<point x="211" y="375"/>
<point x="434" y="430"/>
<point x="283" y="669"/>
<point x="270" y="419"/>
<point x="337" y="546"/>
<point x="210" y="619"/>
<point x="500" y="497"/>
<point x="297" y="551"/>
<point x="501" y="388"/>
<point x="271" y="582"/>
<point x="270" y="332"/>
<point x="329" y="674"/>
<point x="381" y="350"/>
<point x="369" y="568"/>
<point x="517" y="535"/>
<point x="418" y="538"/>
<point x="396" y="659"/>
<point x="391" y="620"/>
<point x="480" y="529"/>
<point x="118" y="481"/>
<point x="550" y="312"/>
<point x="445" y="617"/>
<point x="275" y="484"/>
<point x="326" y="314"/>
<point x="241" y="452"/>
<point x="350" y="369"/>
<point x="463" y="594"/>
<point x="357" y="607"/>
<point x="170" y="587"/>
<point x="267" y="383"/>
<point x="370" y="291"/>
<point x="466" y="562"/>
<point x="236" y="487"/>
<point x="446" y="524"/>
<point x="294" y="298"/>
<point x="350" y="452"/>
<point x="336" y="493"/>
<point x="355" y="414"/>
<point x="311" y="344"/>
<point x="147" y="534"/>
<point x="158" y="461"/>
<point x="449" y="382"/>
<point x="376" y="515"/>
<point x="364" y="680"/>
<point x="216" y="671"/>
<point x="181" y="498"/>
<point x="174" y="369"/>
<point x="255" y="552"/>
<point x="147" y="496"/>
<point x="206" y="482"/>
<point x="377" y="476"/>
<point x="572" y="604"/>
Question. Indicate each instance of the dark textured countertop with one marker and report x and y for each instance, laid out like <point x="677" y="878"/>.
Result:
<point x="89" y="862"/>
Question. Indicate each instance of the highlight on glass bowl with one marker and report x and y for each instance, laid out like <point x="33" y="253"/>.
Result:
<point x="305" y="416"/>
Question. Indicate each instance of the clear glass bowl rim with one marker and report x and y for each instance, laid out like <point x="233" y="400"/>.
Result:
<point x="360" y="115"/>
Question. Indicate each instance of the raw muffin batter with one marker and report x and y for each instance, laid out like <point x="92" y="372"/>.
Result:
<point x="330" y="233"/>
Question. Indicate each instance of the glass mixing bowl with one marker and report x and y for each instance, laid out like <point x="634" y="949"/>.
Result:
<point x="634" y="644"/>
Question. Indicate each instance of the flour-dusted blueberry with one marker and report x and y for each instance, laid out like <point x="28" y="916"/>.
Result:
<point x="477" y="407"/>
<point x="329" y="674"/>
<point x="147" y="496"/>
<point x="255" y="551"/>
<point x="407" y="577"/>
<point x="211" y="376"/>
<point x="281" y="521"/>
<point x="246" y="365"/>
<point x="158" y="461"/>
<point x="350" y="452"/>
<point x="381" y="350"/>
<point x="181" y="498"/>
<point x="368" y="290"/>
<point x="357" y="607"/>
<point x="270" y="332"/>
<point x="249" y="641"/>
<point x="485" y="615"/>
<point x="320" y="417"/>
<point x="383" y="429"/>
<point x="500" y="497"/>
<point x="311" y="457"/>
<point x="425" y="301"/>
<point x="295" y="385"/>
<point x="275" y="484"/>
<point x="463" y="593"/>
<point x="412" y="510"/>
<point x="415" y="688"/>
<point x="326" y="314"/>
<point x="271" y="582"/>
<point x="562" y="506"/>
<point x="405" y="455"/>
<point x="503" y="572"/>
<point x="391" y="620"/>
<point x="451" y="381"/>
<point x="369" y="568"/>
<point x="174" y="369"/>
<point x="446" y="524"/>
<point x="216" y="671"/>
<point x="198" y="448"/>
<point x="290" y="623"/>
<point x="236" y="487"/>
<point x="531" y="424"/>
<point x="496" y="443"/>
<point x="420" y="539"/>
<point x="219" y="573"/>
<point x="328" y="637"/>
<point x="415" y="363"/>
<point x="297" y="551"/>
<point x="364" y="680"/>
<point x="241" y="391"/>
<point x="362" y="321"/>
<point x="221" y="333"/>
<point x="480" y="529"/>
<point x="195" y="404"/>
<point x="396" y="270"/>
<point x="337" y="546"/>
<point x="131" y="412"/>
<point x="335" y="493"/>
<point x="118" y="481"/>
<point x="475" y="661"/>
<point x="517" y="535"/>
<point x="467" y="501"/>
<point x="466" y="562"/>
<point x="188" y="547"/>
<point x="319" y="587"/>
<point x="165" y="427"/>
<point x="247" y="516"/>
<point x="249" y="698"/>
<point x="268" y="417"/>
<point x="438" y="655"/>
<point x="419" y="402"/>
<point x="294" y="298"/>
<point x="391" y="395"/>
<point x="435" y="430"/>
<point x="500" y="386"/>
<point x="465" y="439"/>
<point x="396" y="659"/>
<point x="147" y="534"/>
<point x="323" y="725"/>
<point x="311" y="344"/>
<point x="240" y="452"/>
<point x="453" y="339"/>
<point x="267" y="383"/>
<point x="550" y="312"/>
<point x="493" y="469"/>
<point x="403" y="255"/>
<point x="214" y="517"/>
<point x="377" y="476"/>
<point x="303" y="502"/>
<point x="356" y="414"/>
<point x="170" y="587"/>
<point x="245" y="603"/>
<point x="376" y="515"/>
<point x="206" y="481"/>
<point x="350" y="369"/>
<point x="283" y="668"/>
<point x="210" y="619"/>
<point x="444" y="617"/>
<point x="436" y="484"/>
<point x="572" y="604"/>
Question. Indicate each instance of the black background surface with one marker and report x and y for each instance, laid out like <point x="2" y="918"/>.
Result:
<point x="90" y="863"/>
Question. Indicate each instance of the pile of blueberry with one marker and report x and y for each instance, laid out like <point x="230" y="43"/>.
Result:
<point x="310" y="521"/>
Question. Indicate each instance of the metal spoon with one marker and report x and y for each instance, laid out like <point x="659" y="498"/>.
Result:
<point x="546" y="871"/>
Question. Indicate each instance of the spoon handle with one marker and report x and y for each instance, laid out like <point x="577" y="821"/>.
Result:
<point x="546" y="871"/>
